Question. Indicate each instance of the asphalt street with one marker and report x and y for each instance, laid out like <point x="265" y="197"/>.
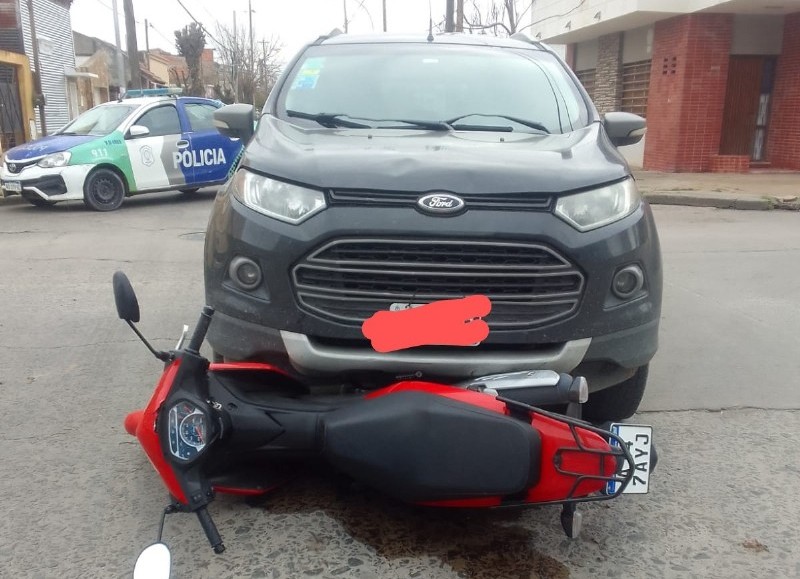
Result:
<point x="79" y="498"/>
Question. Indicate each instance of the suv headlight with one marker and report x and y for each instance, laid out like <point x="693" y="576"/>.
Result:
<point x="598" y="207"/>
<point x="277" y="199"/>
<point x="55" y="160"/>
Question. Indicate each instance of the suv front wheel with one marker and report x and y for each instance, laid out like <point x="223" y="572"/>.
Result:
<point x="617" y="402"/>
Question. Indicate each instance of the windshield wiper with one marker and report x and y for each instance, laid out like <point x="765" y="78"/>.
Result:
<point x="523" y="122"/>
<point x="329" y="120"/>
<point x="429" y="125"/>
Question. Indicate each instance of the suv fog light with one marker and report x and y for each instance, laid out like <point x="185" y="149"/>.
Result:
<point x="627" y="281"/>
<point x="245" y="273"/>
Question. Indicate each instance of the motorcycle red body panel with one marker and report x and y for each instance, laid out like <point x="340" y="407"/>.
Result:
<point x="143" y="421"/>
<point x="563" y="458"/>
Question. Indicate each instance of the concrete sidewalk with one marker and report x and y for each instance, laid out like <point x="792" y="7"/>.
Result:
<point x="759" y="190"/>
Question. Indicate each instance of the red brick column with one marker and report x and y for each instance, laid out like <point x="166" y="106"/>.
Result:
<point x="688" y="79"/>
<point x="783" y="140"/>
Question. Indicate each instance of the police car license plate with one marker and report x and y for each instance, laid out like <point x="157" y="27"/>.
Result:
<point x="12" y="186"/>
<point x="639" y="440"/>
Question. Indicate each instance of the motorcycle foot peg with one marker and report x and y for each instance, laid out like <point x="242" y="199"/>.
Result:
<point x="571" y="520"/>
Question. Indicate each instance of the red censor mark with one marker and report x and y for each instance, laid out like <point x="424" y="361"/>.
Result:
<point x="443" y="323"/>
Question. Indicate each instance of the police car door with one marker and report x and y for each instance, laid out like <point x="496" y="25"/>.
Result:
<point x="155" y="157"/>
<point x="212" y="153"/>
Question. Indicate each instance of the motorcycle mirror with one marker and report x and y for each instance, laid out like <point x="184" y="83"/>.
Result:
<point x="125" y="298"/>
<point x="155" y="562"/>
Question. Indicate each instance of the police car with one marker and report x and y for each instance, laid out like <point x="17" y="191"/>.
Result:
<point x="151" y="140"/>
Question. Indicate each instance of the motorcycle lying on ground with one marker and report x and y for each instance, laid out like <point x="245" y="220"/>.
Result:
<point x="241" y="428"/>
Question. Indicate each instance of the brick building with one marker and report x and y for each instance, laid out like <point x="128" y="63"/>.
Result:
<point x="718" y="81"/>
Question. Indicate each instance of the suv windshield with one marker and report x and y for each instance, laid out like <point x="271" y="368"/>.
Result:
<point x="471" y="87"/>
<point x="99" y="121"/>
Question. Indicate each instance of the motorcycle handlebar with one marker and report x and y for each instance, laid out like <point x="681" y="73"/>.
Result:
<point x="200" y="330"/>
<point x="210" y="530"/>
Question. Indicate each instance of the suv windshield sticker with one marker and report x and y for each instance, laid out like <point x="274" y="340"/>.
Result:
<point x="308" y="75"/>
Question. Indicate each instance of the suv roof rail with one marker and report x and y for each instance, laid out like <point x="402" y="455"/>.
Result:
<point x="522" y="37"/>
<point x="331" y="34"/>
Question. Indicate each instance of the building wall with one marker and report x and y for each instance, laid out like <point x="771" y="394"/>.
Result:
<point x="783" y="139"/>
<point x="586" y="54"/>
<point x="687" y="91"/>
<point x="755" y="34"/>
<point x="608" y="76"/>
<point x="637" y="44"/>
<point x="10" y="35"/>
<point x="56" y="52"/>
<point x="550" y="17"/>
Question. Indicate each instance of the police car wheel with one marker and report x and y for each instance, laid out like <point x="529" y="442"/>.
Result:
<point x="189" y="191"/>
<point x="103" y="190"/>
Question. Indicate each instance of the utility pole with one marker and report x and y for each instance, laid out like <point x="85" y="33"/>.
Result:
<point x="133" y="48"/>
<point x="384" y="15"/>
<point x="234" y="63"/>
<point x="119" y="58"/>
<point x="459" y="15"/>
<point x="450" y="17"/>
<point x="38" y="72"/>
<point x="147" y="42"/>
<point x="344" y="2"/>
<point x="252" y="53"/>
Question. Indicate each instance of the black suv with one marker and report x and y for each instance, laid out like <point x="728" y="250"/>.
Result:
<point x="389" y="171"/>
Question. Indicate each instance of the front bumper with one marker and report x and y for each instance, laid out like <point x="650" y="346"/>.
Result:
<point x="603" y="336"/>
<point x="57" y="184"/>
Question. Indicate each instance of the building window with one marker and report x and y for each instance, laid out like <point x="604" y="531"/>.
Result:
<point x="635" y="86"/>
<point x="587" y="80"/>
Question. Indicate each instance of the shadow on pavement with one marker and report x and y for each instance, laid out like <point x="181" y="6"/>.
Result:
<point x="477" y="544"/>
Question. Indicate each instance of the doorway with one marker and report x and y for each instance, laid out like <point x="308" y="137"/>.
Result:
<point x="12" y="128"/>
<point x="747" y="102"/>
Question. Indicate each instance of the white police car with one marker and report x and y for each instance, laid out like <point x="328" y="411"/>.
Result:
<point x="152" y="140"/>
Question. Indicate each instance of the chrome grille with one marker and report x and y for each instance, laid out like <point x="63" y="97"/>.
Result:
<point x="348" y="280"/>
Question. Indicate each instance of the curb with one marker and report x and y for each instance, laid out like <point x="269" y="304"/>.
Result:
<point x="748" y="203"/>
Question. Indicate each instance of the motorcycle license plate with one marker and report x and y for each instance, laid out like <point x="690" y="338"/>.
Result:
<point x="12" y="186"/>
<point x="639" y="440"/>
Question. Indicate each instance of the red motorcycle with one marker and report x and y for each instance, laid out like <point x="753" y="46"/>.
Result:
<point x="242" y="428"/>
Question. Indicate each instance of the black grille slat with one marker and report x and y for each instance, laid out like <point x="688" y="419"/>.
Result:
<point x="349" y="280"/>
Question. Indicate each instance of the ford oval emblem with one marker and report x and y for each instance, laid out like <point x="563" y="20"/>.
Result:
<point x="440" y="203"/>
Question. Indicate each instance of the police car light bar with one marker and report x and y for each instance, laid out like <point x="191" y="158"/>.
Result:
<point x="153" y="92"/>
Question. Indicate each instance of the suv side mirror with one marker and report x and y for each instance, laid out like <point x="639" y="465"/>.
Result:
<point x="236" y="121"/>
<point x="138" y="131"/>
<point x="624" y="128"/>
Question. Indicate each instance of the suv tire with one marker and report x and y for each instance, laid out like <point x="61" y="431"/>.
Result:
<point x="617" y="402"/>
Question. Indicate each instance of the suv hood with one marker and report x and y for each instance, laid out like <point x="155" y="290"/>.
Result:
<point x="418" y="160"/>
<point x="47" y="146"/>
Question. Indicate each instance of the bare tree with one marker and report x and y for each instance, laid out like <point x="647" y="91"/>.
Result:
<point x="242" y="77"/>
<point x="191" y="41"/>
<point x="500" y="17"/>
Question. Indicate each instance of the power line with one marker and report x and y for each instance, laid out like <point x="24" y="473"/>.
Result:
<point x="200" y="24"/>
<point x="104" y="5"/>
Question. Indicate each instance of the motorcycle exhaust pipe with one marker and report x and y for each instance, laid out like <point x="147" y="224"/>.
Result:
<point x="533" y="387"/>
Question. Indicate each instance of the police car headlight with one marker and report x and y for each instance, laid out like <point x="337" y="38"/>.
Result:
<point x="55" y="160"/>
<point x="276" y="199"/>
<point x="598" y="207"/>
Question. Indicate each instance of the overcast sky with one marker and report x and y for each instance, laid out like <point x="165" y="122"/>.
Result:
<point x="294" y="21"/>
